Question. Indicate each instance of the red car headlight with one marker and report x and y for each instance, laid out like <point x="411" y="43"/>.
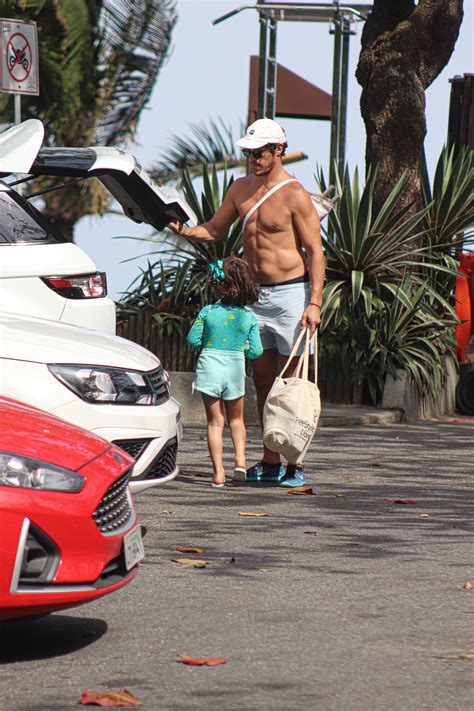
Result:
<point x="28" y="473"/>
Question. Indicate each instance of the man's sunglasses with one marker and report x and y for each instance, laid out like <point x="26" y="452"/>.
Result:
<point x="257" y="154"/>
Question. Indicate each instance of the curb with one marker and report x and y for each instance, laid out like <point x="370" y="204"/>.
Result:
<point x="349" y="415"/>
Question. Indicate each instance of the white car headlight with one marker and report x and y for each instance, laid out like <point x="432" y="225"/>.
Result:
<point x="28" y="473"/>
<point x="102" y="385"/>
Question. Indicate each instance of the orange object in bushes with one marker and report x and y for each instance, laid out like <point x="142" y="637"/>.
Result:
<point x="464" y="305"/>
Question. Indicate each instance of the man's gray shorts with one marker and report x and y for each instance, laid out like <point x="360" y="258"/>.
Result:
<point x="279" y="310"/>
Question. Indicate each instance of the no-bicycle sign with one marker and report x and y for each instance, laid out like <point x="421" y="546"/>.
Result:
<point x="19" y="57"/>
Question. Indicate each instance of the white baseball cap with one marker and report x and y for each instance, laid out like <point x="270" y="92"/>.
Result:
<point x="262" y="132"/>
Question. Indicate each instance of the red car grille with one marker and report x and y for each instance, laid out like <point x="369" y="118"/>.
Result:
<point x="114" y="509"/>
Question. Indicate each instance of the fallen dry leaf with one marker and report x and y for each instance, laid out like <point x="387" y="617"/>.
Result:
<point x="191" y="561"/>
<point x="375" y="463"/>
<point x="467" y="585"/>
<point x="465" y="656"/>
<point x="205" y="662"/>
<point x="109" y="698"/>
<point x="339" y="493"/>
<point x="424" y="515"/>
<point x="165" y="512"/>
<point x="264" y="570"/>
<point x="301" y="490"/>
<point x="190" y="550"/>
<point x="311" y="533"/>
<point x="252" y="513"/>
<point x="401" y="501"/>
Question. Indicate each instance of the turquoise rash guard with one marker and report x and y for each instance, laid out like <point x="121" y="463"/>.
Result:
<point x="226" y="328"/>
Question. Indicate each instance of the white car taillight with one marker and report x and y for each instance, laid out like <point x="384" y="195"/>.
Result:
<point x="80" y="286"/>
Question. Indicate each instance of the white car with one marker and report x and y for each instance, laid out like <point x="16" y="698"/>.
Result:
<point x="98" y="381"/>
<point x="41" y="273"/>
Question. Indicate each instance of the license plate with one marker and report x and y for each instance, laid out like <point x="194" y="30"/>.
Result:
<point x="133" y="547"/>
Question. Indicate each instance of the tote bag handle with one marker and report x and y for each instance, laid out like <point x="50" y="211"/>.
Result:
<point x="303" y="362"/>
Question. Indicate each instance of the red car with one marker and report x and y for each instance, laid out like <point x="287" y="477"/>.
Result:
<point x="68" y="526"/>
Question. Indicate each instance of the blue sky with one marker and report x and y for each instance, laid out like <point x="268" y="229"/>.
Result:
<point x="206" y="77"/>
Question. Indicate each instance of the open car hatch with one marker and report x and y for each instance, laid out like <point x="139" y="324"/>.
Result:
<point x="19" y="146"/>
<point x="141" y="199"/>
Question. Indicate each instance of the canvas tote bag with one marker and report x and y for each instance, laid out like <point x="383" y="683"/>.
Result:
<point x="293" y="406"/>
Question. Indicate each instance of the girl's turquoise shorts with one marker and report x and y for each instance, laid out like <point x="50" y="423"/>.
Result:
<point x="221" y="374"/>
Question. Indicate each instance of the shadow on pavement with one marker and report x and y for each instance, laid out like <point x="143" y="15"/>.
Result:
<point x="367" y="528"/>
<point x="345" y="525"/>
<point x="52" y="636"/>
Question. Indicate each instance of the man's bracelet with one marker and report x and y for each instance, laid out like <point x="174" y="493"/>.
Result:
<point x="312" y="303"/>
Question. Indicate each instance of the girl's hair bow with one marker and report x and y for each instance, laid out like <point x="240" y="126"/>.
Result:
<point x="217" y="273"/>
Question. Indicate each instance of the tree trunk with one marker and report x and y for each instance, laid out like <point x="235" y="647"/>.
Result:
<point x="404" y="48"/>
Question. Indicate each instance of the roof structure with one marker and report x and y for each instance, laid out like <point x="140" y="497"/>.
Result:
<point x="342" y="19"/>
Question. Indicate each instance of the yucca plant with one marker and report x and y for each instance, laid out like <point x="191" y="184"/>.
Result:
<point x="449" y="219"/>
<point x="450" y="201"/>
<point x="380" y="310"/>
<point x="401" y="332"/>
<point x="366" y="254"/>
<point x="410" y="335"/>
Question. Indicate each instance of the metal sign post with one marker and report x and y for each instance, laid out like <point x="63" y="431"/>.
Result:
<point x="341" y="29"/>
<point x="342" y="19"/>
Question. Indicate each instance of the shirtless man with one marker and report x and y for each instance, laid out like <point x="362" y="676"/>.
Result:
<point x="274" y="237"/>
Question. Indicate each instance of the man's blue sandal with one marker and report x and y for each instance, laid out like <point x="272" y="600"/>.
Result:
<point x="261" y="471"/>
<point x="294" y="476"/>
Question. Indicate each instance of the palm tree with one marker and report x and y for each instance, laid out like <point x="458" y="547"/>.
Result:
<point x="99" y="60"/>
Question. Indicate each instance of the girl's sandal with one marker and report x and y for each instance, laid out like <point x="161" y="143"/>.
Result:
<point x="218" y="485"/>
<point x="239" y="474"/>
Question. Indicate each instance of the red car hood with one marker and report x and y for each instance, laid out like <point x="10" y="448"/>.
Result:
<point x="33" y="433"/>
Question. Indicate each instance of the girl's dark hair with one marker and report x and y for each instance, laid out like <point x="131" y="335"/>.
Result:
<point x="239" y="286"/>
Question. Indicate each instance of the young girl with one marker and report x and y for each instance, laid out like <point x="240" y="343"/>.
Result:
<point x="226" y="331"/>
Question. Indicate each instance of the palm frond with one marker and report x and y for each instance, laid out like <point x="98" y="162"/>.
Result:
<point x="210" y="143"/>
<point x="135" y="42"/>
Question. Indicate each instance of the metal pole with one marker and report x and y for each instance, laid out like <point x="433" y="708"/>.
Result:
<point x="341" y="158"/>
<point x="336" y="83"/>
<point x="271" y="71"/>
<point x="262" y="68"/>
<point x="17" y="108"/>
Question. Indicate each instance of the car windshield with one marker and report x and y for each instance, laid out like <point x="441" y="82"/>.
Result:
<point x="21" y="223"/>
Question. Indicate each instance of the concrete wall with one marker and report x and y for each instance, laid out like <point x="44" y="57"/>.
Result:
<point x="400" y="398"/>
<point x="192" y="410"/>
<point x="401" y="394"/>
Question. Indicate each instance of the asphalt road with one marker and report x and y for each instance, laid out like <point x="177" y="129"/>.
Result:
<point x="337" y="601"/>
